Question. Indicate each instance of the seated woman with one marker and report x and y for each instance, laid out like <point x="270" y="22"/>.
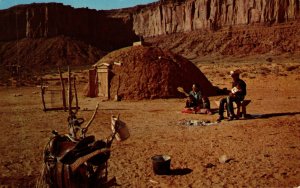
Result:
<point x="191" y="105"/>
<point x="196" y="103"/>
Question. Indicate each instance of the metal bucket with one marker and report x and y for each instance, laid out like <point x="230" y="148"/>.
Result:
<point x="161" y="164"/>
<point x="122" y="132"/>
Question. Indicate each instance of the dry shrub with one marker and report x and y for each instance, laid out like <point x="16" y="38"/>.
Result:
<point x="265" y="70"/>
<point x="245" y="75"/>
<point x="269" y="59"/>
<point x="291" y="68"/>
<point x="222" y="75"/>
<point x="282" y="74"/>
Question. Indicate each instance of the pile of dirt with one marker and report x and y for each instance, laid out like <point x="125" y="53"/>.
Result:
<point x="141" y="72"/>
<point x="36" y="55"/>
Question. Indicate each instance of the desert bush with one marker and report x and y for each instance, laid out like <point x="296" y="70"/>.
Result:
<point x="245" y="75"/>
<point x="221" y="74"/>
<point x="265" y="70"/>
<point x="282" y="74"/>
<point x="269" y="59"/>
<point x="291" y="68"/>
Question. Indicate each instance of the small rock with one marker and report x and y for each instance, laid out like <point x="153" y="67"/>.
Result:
<point x="209" y="165"/>
<point x="18" y="94"/>
<point x="223" y="159"/>
<point x="153" y="181"/>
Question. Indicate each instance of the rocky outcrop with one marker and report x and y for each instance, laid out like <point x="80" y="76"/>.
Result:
<point x="238" y="41"/>
<point x="98" y="28"/>
<point x="113" y="29"/>
<point x="182" y="16"/>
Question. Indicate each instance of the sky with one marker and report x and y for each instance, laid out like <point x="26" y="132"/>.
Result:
<point x="92" y="4"/>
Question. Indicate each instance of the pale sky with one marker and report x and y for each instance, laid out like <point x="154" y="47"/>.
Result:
<point x="92" y="4"/>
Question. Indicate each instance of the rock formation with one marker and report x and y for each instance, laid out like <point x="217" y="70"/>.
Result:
<point x="110" y="30"/>
<point x="117" y="28"/>
<point x="48" y="20"/>
<point x="168" y="17"/>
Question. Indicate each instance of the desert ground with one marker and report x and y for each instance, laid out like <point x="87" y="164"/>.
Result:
<point x="263" y="151"/>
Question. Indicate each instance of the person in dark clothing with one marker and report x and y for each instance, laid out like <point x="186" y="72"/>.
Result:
<point x="197" y="102"/>
<point x="196" y="93"/>
<point x="237" y="94"/>
<point x="191" y="102"/>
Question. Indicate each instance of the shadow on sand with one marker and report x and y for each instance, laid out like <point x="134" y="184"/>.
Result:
<point x="180" y="171"/>
<point x="258" y="116"/>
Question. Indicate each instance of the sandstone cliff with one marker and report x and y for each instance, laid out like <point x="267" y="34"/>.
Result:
<point x="113" y="29"/>
<point x="182" y="16"/>
<point x="48" y="20"/>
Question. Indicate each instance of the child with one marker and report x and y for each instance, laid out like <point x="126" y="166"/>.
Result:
<point x="191" y="102"/>
<point x="191" y="105"/>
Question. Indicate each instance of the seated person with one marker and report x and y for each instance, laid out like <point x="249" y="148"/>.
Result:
<point x="196" y="102"/>
<point x="196" y="93"/>
<point x="191" y="102"/>
<point x="237" y="94"/>
<point x="191" y="105"/>
<point x="206" y="105"/>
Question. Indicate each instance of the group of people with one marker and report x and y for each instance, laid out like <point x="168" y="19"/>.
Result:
<point x="199" y="103"/>
<point x="196" y="102"/>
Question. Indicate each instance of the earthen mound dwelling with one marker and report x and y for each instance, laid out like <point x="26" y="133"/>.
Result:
<point x="141" y="72"/>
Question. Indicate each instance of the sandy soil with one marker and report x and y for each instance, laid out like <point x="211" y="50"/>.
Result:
<point x="263" y="152"/>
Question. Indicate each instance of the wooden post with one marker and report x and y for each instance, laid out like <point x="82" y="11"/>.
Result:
<point x="70" y="91"/>
<point x="63" y="92"/>
<point x="42" y="93"/>
<point x="75" y="91"/>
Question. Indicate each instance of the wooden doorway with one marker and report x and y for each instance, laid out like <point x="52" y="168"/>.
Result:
<point x="103" y="80"/>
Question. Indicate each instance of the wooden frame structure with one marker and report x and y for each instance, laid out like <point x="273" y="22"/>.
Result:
<point x="71" y="81"/>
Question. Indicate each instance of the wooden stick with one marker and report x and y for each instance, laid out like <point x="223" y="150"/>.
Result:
<point x="93" y="117"/>
<point x="54" y="79"/>
<point x="58" y="108"/>
<point x="70" y="91"/>
<point x="76" y="97"/>
<point x="63" y="92"/>
<point x="43" y="92"/>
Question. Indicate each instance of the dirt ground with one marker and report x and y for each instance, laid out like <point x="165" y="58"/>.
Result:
<point x="263" y="152"/>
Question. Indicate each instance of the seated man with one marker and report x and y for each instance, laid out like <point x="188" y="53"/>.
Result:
<point x="237" y="94"/>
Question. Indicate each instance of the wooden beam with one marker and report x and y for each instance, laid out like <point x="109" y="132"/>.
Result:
<point x="76" y="97"/>
<point x="58" y="108"/>
<point x="63" y="92"/>
<point x="42" y="94"/>
<point x="70" y="91"/>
